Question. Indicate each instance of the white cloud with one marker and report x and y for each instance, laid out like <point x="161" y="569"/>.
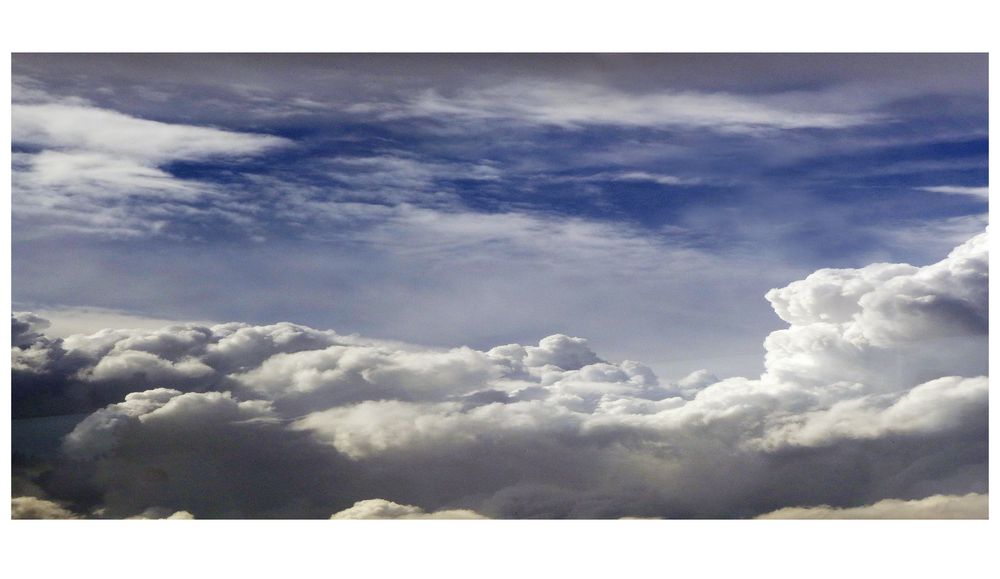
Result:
<point x="164" y="514"/>
<point x="941" y="405"/>
<point x="885" y="324"/>
<point x="981" y="192"/>
<point x="64" y="322"/>
<point x="383" y="509"/>
<point x="573" y="104"/>
<point x="63" y="127"/>
<point x="89" y="163"/>
<point x="970" y="506"/>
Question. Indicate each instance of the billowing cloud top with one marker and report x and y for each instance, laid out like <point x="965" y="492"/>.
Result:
<point x="876" y="390"/>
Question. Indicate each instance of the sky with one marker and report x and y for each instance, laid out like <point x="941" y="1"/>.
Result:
<point x="555" y="285"/>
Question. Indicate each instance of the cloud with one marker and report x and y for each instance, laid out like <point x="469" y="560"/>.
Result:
<point x="98" y="434"/>
<point x="164" y="514"/>
<point x="57" y="126"/>
<point x="80" y="168"/>
<point x="629" y="177"/>
<point x="981" y="192"/>
<point x="64" y="322"/>
<point x="383" y="509"/>
<point x="26" y="328"/>
<point x="876" y="390"/>
<point x="576" y="104"/>
<point x="970" y="506"/>
<point x="36" y="508"/>
<point x="83" y="371"/>
<point x="852" y="325"/>
<point x="939" y="405"/>
<point x="204" y="453"/>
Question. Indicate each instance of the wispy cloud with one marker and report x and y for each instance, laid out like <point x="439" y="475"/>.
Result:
<point x="575" y="104"/>
<point x="981" y="192"/>
<point x="81" y="168"/>
<point x="84" y="128"/>
<point x="627" y="177"/>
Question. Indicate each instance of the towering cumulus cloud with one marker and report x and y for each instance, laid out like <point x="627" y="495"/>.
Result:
<point x="873" y="403"/>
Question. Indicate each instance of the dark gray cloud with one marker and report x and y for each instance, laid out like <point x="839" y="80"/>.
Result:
<point x="706" y="72"/>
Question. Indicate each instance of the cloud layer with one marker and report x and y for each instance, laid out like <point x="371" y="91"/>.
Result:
<point x="875" y="391"/>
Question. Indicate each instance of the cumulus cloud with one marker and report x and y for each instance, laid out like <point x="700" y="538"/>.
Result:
<point x="970" y="506"/>
<point x="876" y="390"/>
<point x="82" y="372"/>
<point x="383" y="509"/>
<point x="99" y="433"/>
<point x="884" y="325"/>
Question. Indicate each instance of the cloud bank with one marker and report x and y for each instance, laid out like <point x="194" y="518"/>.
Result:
<point x="875" y="394"/>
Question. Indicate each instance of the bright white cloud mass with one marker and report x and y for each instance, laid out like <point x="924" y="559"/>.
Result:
<point x="873" y="402"/>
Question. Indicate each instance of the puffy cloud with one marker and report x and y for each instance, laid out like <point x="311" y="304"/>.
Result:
<point x="884" y="325"/>
<point x="383" y="509"/>
<point x="562" y="351"/>
<point x="376" y="427"/>
<point x="876" y="390"/>
<point x="150" y="410"/>
<point x="939" y="405"/>
<point x="360" y="372"/>
<point x="36" y="508"/>
<point x="970" y="506"/>
<point x="83" y="372"/>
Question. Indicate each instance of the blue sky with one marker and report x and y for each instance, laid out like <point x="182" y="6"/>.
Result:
<point x="646" y="202"/>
